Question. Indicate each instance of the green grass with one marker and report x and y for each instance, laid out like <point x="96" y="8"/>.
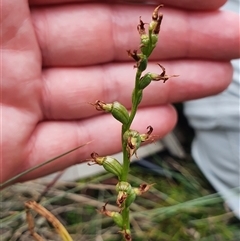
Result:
<point x="174" y="209"/>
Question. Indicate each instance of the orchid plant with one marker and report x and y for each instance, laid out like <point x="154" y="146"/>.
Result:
<point x="131" y="139"/>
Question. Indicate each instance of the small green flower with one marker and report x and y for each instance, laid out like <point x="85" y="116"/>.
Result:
<point x="133" y="140"/>
<point x="146" y="136"/>
<point x="141" y="59"/>
<point x="145" y="81"/>
<point x="126" y="234"/>
<point x="110" y="164"/>
<point x="116" y="216"/>
<point x="124" y="189"/>
<point x="142" y="188"/>
<point x="154" y="26"/>
<point x="148" y="77"/>
<point x="118" y="111"/>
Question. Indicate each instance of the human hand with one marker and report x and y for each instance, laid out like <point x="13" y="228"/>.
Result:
<point x="58" y="58"/>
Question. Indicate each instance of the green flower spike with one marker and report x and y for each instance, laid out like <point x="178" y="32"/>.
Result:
<point x="131" y="139"/>
<point x="110" y="164"/>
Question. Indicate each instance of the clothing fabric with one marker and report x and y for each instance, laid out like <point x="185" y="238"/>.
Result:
<point x="216" y="146"/>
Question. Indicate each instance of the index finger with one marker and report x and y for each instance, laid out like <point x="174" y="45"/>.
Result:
<point x="186" y="4"/>
<point x="87" y="34"/>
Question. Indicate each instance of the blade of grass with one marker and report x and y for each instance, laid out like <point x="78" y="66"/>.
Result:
<point x="40" y="165"/>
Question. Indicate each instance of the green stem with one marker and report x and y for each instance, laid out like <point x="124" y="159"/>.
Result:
<point x="136" y="103"/>
<point x="126" y="221"/>
<point x="126" y="159"/>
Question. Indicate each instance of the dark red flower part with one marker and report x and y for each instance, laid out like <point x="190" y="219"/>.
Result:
<point x="141" y="28"/>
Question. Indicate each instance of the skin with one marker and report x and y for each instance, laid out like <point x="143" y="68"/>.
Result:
<point x="58" y="58"/>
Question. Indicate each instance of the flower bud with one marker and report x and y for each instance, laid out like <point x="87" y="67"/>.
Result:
<point x="110" y="164"/>
<point x="118" y="111"/>
<point x="144" y="46"/>
<point x="148" y="77"/>
<point x="117" y="218"/>
<point x="130" y="198"/>
<point x="124" y="187"/>
<point x="154" y="26"/>
<point x="142" y="64"/>
<point x="145" y="81"/>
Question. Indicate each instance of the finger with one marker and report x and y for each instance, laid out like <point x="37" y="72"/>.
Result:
<point x="187" y="4"/>
<point x="77" y="35"/>
<point x="54" y="138"/>
<point x="69" y="91"/>
<point x="20" y="57"/>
